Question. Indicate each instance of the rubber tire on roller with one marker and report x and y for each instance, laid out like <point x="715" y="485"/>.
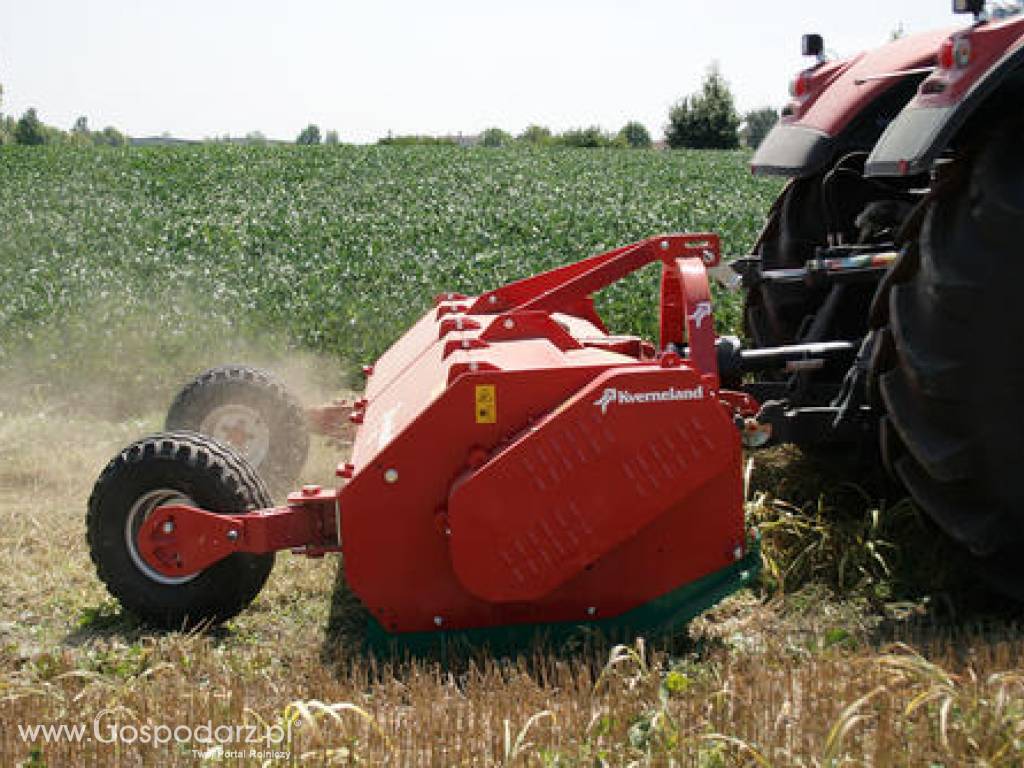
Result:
<point x="259" y="391"/>
<point x="949" y="367"/>
<point x="215" y="478"/>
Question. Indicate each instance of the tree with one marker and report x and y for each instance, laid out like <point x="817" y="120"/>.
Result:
<point x="495" y="137"/>
<point x="409" y="141"/>
<point x="110" y="137"/>
<point x="80" y="135"/>
<point x="310" y="135"/>
<point x="635" y="135"/>
<point x="705" y="120"/>
<point x="536" y="134"/>
<point x="757" y="123"/>
<point x="331" y="137"/>
<point x="589" y="138"/>
<point x="29" y="129"/>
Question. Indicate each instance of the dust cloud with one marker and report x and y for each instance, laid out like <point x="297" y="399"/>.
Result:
<point x="76" y="390"/>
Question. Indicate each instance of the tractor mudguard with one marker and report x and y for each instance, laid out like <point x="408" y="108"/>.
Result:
<point x="948" y="97"/>
<point x="838" y="102"/>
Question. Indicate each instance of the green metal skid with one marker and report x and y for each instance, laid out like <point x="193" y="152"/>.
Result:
<point x="655" y="619"/>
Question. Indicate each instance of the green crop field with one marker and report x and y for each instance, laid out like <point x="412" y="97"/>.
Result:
<point x="123" y="272"/>
<point x="331" y="249"/>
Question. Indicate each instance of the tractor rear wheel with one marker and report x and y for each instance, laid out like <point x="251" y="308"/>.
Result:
<point x="949" y="367"/>
<point x="253" y="412"/>
<point x="174" y="468"/>
<point x="772" y="316"/>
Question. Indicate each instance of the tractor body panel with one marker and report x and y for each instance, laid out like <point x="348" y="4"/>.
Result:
<point x="994" y="51"/>
<point x="814" y="126"/>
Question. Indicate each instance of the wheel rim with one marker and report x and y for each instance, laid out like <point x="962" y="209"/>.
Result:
<point x="141" y="509"/>
<point x="242" y="427"/>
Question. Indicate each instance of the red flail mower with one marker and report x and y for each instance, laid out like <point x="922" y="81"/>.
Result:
<point x="517" y="466"/>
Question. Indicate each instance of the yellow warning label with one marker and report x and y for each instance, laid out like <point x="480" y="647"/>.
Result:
<point x="486" y="404"/>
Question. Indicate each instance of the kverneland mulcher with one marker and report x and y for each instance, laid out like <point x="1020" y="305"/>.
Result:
<point x="517" y="466"/>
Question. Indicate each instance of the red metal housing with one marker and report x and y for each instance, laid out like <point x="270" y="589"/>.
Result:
<point x="516" y="463"/>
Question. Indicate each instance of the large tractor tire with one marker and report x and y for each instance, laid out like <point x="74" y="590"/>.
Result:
<point x="253" y="412"/>
<point x="174" y="468"/>
<point x="772" y="316"/>
<point x="949" y="367"/>
<point x="863" y="212"/>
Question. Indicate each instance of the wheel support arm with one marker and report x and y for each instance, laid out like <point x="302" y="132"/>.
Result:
<point x="179" y="540"/>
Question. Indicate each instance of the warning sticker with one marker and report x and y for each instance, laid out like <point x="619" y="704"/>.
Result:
<point x="486" y="404"/>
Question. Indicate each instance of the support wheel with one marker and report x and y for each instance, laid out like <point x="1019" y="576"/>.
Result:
<point x="251" y="411"/>
<point x="174" y="468"/>
<point x="950" y="370"/>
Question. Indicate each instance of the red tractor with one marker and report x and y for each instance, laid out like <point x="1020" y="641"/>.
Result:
<point x="516" y="466"/>
<point x="915" y="148"/>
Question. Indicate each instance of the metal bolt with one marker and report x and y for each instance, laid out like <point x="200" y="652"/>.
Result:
<point x="232" y="535"/>
<point x="391" y="476"/>
<point x="509" y="323"/>
<point x="591" y="611"/>
<point x="738" y="553"/>
<point x="438" y="621"/>
<point x="492" y="299"/>
<point x="664" y="245"/>
<point x="168" y="527"/>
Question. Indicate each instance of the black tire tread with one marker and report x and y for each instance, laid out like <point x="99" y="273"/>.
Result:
<point x="788" y="240"/>
<point x="224" y="589"/>
<point x="950" y="369"/>
<point x="287" y="453"/>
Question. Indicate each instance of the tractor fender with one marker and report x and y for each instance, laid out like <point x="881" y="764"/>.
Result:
<point x="945" y="101"/>
<point x="845" y="106"/>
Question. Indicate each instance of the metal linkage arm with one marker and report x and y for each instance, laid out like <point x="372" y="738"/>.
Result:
<point x="178" y="540"/>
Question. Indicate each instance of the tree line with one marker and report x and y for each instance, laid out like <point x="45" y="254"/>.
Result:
<point x="707" y="119"/>
<point x="30" y="130"/>
<point x="633" y="134"/>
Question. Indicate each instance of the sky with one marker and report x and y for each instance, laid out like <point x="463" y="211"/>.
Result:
<point x="208" y="68"/>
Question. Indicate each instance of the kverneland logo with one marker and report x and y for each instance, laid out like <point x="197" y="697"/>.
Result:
<point x="623" y="397"/>
<point x="700" y="313"/>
